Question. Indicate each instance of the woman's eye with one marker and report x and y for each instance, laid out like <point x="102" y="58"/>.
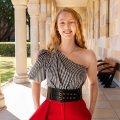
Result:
<point x="62" y="23"/>
<point x="72" y="22"/>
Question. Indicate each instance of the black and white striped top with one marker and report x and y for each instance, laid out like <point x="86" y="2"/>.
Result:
<point x="59" y="71"/>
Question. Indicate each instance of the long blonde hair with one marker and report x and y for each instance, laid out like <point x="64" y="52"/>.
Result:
<point x="55" y="39"/>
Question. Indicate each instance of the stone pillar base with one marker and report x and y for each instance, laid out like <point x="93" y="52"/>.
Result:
<point x="2" y="101"/>
<point x="21" y="78"/>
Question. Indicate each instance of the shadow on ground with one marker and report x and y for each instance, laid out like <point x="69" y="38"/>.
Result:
<point x="6" y="115"/>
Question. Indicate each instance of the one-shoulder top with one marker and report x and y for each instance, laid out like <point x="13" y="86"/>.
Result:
<point x="60" y="71"/>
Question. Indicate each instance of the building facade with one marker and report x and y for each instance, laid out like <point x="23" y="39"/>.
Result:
<point x="100" y="19"/>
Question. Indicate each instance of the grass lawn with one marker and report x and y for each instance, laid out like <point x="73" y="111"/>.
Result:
<point x="7" y="68"/>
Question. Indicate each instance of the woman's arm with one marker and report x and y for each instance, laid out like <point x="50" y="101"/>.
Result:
<point x="36" y="93"/>
<point x="93" y="82"/>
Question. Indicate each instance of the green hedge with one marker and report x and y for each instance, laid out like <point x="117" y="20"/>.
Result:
<point x="8" y="49"/>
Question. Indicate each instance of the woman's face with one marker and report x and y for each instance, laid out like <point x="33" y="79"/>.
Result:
<point x="66" y="25"/>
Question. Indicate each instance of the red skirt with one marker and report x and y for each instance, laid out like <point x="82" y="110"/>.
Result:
<point x="54" y="110"/>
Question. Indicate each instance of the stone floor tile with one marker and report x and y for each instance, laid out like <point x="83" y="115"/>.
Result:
<point x="113" y="97"/>
<point x="117" y="110"/>
<point x="103" y="104"/>
<point x="111" y="91"/>
<point x="6" y="115"/>
<point x="115" y="103"/>
<point x="106" y="119"/>
<point x="104" y="114"/>
<point x="101" y="98"/>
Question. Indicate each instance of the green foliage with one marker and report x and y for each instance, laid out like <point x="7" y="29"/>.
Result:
<point x="8" y="49"/>
<point x="6" y="20"/>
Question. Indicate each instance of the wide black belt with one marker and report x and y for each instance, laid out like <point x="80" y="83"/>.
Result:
<point x="64" y="95"/>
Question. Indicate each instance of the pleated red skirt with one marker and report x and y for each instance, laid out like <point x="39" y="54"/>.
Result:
<point x="54" y="110"/>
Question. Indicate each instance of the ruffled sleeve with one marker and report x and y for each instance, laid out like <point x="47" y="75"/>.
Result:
<point x="38" y="71"/>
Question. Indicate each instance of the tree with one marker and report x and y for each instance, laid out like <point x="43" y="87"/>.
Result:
<point x="6" y="20"/>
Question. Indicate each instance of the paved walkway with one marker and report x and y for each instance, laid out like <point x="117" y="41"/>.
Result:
<point x="19" y="102"/>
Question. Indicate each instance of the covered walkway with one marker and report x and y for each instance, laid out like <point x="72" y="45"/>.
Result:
<point x="20" y="106"/>
<point x="101" y="21"/>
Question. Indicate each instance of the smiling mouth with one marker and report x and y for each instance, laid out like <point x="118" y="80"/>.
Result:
<point x="68" y="32"/>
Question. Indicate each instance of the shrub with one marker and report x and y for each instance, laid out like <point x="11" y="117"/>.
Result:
<point x="8" y="49"/>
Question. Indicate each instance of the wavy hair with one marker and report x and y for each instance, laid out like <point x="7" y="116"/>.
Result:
<point x="55" y="39"/>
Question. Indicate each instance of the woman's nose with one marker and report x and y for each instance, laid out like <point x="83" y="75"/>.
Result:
<point x="67" y="25"/>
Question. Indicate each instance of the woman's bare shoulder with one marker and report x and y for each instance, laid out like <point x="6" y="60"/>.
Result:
<point x="88" y="56"/>
<point x="90" y="53"/>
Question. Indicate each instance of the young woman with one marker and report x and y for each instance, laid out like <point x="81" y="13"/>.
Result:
<point x="66" y="65"/>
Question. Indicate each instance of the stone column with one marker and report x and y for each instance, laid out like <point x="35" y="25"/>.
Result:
<point x="42" y="34"/>
<point x="20" y="41"/>
<point x="33" y="10"/>
<point x="53" y="10"/>
<point x="42" y="23"/>
<point x="48" y="21"/>
<point x="2" y="100"/>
